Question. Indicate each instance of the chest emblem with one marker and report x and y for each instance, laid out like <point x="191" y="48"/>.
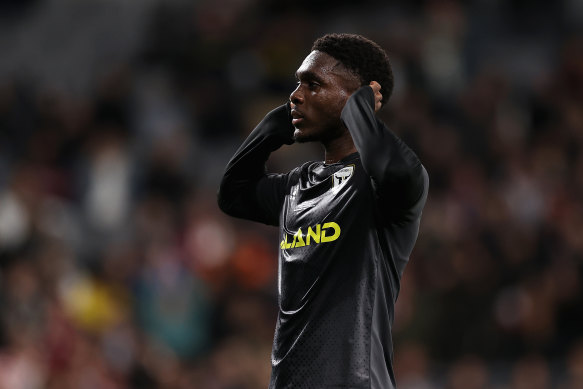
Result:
<point x="342" y="175"/>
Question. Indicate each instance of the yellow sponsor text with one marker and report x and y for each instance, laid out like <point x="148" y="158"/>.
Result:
<point x="327" y="232"/>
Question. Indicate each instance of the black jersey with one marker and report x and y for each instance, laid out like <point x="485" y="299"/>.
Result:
<point x="346" y="232"/>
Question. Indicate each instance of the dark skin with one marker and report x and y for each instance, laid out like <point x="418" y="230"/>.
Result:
<point x="324" y="86"/>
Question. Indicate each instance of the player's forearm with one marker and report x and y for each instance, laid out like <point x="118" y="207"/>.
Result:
<point x="236" y="195"/>
<point x="385" y="157"/>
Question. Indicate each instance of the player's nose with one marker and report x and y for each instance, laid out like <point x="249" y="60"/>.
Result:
<point x="296" y="96"/>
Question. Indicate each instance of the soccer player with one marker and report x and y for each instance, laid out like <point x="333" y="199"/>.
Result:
<point x="347" y="224"/>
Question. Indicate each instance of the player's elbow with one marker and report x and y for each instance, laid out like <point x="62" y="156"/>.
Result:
<point x="413" y="182"/>
<point x="232" y="198"/>
<point x="405" y="193"/>
<point x="225" y="199"/>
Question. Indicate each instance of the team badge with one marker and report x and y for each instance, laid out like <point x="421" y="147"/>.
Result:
<point x="342" y="175"/>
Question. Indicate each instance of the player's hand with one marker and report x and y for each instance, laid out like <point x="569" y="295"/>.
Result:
<point x="376" y="88"/>
<point x="286" y="132"/>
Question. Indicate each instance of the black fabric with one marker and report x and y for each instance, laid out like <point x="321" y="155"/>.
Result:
<point x="346" y="233"/>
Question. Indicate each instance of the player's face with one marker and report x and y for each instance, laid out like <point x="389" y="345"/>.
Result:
<point x="324" y="85"/>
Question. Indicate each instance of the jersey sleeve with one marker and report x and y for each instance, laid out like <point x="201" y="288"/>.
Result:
<point x="247" y="191"/>
<point x="398" y="178"/>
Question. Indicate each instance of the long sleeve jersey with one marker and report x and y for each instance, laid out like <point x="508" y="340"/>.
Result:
<point x="347" y="230"/>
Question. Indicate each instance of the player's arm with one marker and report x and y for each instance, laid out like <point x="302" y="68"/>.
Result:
<point x="398" y="177"/>
<point x="246" y="190"/>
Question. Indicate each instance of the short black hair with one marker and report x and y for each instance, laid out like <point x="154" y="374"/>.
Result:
<point x="362" y="56"/>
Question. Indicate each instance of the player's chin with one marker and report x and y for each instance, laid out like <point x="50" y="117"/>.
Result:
<point x="301" y="136"/>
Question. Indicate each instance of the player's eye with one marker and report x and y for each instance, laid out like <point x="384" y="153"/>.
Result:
<point x="313" y="85"/>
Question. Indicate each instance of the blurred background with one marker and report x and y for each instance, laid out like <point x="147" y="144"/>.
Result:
<point x="117" y="117"/>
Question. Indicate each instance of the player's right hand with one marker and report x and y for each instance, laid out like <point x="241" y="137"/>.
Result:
<point x="378" y="97"/>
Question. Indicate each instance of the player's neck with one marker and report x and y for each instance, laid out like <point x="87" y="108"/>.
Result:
<point x="338" y="148"/>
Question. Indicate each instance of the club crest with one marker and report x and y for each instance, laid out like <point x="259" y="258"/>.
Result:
<point x="342" y="175"/>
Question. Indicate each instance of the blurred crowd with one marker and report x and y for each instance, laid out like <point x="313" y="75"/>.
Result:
<point x="117" y="270"/>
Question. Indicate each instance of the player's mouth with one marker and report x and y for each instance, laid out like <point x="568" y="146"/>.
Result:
<point x="297" y="117"/>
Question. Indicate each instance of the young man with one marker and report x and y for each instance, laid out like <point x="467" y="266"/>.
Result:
<point x="347" y="224"/>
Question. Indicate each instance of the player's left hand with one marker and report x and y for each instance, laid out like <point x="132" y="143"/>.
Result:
<point x="376" y="88"/>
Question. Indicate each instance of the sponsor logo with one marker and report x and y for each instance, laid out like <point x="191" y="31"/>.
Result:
<point x="328" y="232"/>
